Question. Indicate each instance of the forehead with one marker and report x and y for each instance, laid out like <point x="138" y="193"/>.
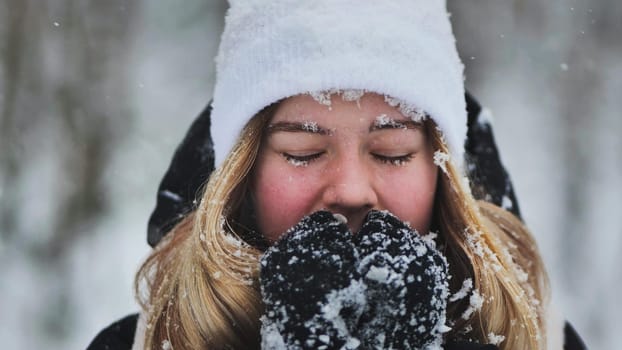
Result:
<point x="306" y="107"/>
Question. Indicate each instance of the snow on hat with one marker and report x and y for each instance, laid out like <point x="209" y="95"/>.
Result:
<point x="274" y="49"/>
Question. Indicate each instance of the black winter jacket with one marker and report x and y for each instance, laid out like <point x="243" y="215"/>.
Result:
<point x="193" y="161"/>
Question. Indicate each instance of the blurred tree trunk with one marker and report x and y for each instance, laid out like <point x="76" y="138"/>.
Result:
<point x="65" y="103"/>
<point x="12" y="52"/>
<point x="93" y="106"/>
<point x="64" y="68"/>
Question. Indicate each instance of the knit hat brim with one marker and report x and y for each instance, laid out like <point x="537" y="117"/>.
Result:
<point x="404" y="49"/>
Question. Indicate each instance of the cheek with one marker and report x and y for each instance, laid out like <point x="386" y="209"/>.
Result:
<point x="282" y="198"/>
<point x="411" y="197"/>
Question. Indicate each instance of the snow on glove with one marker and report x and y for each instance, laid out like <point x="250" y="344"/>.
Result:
<point x="310" y="287"/>
<point x="407" y="285"/>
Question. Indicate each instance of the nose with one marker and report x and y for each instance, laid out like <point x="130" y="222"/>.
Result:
<point x="350" y="191"/>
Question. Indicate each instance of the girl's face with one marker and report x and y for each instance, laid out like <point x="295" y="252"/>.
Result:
<point x="347" y="159"/>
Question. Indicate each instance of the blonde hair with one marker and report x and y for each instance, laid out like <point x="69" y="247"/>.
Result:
<point x="199" y="288"/>
<point x="492" y="248"/>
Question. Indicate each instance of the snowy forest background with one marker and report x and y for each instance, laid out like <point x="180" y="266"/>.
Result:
<point x="95" y="96"/>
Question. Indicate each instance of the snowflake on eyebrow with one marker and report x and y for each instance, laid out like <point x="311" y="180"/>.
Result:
<point x="384" y="120"/>
<point x="310" y="126"/>
<point x="408" y="110"/>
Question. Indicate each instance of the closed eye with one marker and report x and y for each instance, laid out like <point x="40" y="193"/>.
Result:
<point x="394" y="160"/>
<point x="301" y="160"/>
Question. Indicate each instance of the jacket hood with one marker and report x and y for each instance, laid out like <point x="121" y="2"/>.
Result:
<point x="193" y="162"/>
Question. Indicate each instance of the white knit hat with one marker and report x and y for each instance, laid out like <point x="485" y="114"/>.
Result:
<point x="273" y="49"/>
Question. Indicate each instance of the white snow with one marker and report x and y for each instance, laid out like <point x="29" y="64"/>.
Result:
<point x="297" y="163"/>
<point x="379" y="274"/>
<point x="440" y="159"/>
<point x="294" y="259"/>
<point x="336" y="300"/>
<point x="322" y="97"/>
<point x="495" y="339"/>
<point x="467" y="286"/>
<point x="408" y="110"/>
<point x="352" y="95"/>
<point x="384" y="120"/>
<point x="271" y="338"/>
<point x="421" y="250"/>
<point x="310" y="126"/>
<point x="476" y="301"/>
<point x="353" y="343"/>
<point x="348" y="95"/>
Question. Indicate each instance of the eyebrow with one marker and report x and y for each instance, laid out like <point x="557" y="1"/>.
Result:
<point x="310" y="127"/>
<point x="314" y="128"/>
<point x="390" y="123"/>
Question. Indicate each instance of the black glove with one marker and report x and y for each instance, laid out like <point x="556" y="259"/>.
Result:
<point x="311" y="288"/>
<point x="407" y="285"/>
<point x="322" y="288"/>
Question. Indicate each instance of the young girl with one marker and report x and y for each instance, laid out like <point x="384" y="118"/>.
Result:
<point x="341" y="216"/>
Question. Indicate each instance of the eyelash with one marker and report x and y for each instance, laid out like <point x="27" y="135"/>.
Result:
<point x="397" y="161"/>
<point x="301" y="160"/>
<point x="305" y="160"/>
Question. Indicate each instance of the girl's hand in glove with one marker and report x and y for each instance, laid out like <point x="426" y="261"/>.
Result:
<point x="325" y="289"/>
<point x="407" y="285"/>
<point x="310" y="287"/>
